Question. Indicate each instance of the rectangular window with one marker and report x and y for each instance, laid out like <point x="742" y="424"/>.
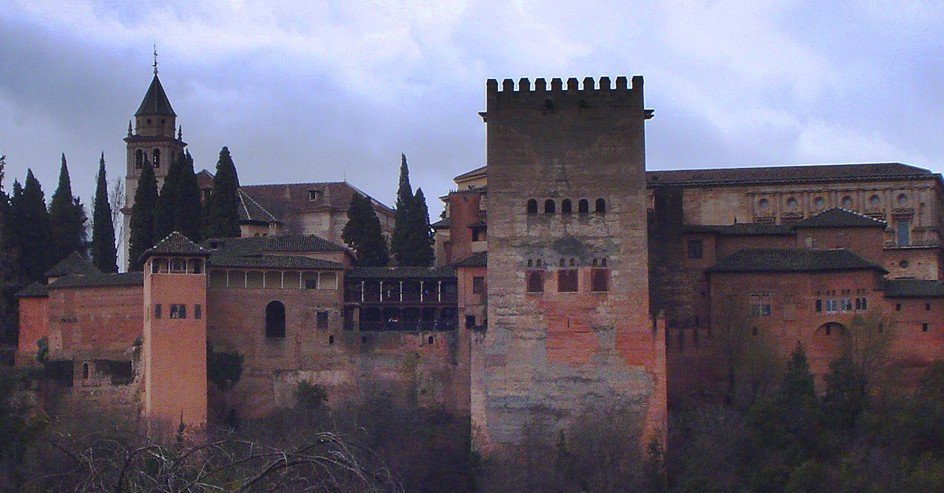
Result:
<point x="197" y="311"/>
<point x="903" y="230"/>
<point x="927" y="307"/>
<point x="760" y="305"/>
<point x="157" y="310"/>
<point x="845" y="305"/>
<point x="600" y="280"/>
<point x="178" y="311"/>
<point x="310" y="280"/>
<point x="897" y="307"/>
<point x="831" y="305"/>
<point x="327" y="280"/>
<point x="694" y="249"/>
<point x="567" y="281"/>
<point x="535" y="281"/>
<point x="470" y="322"/>
<point x="925" y="327"/>
<point x="478" y="285"/>
<point x="321" y="320"/>
<point x="819" y="306"/>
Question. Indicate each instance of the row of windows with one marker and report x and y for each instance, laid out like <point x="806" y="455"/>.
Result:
<point x="563" y="262"/>
<point x="275" y="320"/>
<point x="927" y="307"/>
<point x="566" y="206"/>
<point x="567" y="280"/>
<point x="273" y="279"/>
<point x="847" y="202"/>
<point x="178" y="311"/>
<point x="140" y="158"/>
<point x="842" y="305"/>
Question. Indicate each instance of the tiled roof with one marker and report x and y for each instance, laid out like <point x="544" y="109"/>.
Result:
<point x="283" y="200"/>
<point x="440" y="224"/>
<point x="839" y="218"/>
<point x="272" y="262"/>
<point x="100" y="280"/>
<point x="444" y="272"/>
<point x="34" y="290"/>
<point x="257" y="245"/>
<point x="204" y="179"/>
<point x="475" y="260"/>
<point x="739" y="229"/>
<point x="913" y="288"/>
<point x="251" y="211"/>
<point x="792" y="260"/>
<point x="176" y="244"/>
<point x="787" y="174"/>
<point x="155" y="101"/>
<point x="469" y="174"/>
<point x="73" y="264"/>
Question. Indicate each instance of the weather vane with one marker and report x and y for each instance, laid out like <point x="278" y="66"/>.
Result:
<point x="155" y="59"/>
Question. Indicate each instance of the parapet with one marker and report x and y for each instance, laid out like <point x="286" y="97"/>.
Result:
<point x="589" y="94"/>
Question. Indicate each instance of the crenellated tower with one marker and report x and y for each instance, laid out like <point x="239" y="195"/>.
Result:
<point x="569" y="327"/>
<point x="154" y="139"/>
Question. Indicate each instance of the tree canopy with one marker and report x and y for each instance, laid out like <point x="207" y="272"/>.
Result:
<point x="412" y="242"/>
<point x="67" y="218"/>
<point x="364" y="234"/>
<point x="104" y="250"/>
<point x="220" y="218"/>
<point x="141" y="235"/>
<point x="33" y="230"/>
<point x="178" y="206"/>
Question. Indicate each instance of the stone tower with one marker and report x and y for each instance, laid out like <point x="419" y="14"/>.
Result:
<point x="174" y="349"/>
<point x="153" y="139"/>
<point x="569" y="327"/>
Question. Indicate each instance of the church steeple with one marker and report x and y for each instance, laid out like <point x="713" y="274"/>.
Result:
<point x="155" y="101"/>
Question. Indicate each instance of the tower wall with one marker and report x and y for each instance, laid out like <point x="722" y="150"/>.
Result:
<point x="549" y="355"/>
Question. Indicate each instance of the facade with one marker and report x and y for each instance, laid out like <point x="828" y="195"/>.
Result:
<point x="568" y="277"/>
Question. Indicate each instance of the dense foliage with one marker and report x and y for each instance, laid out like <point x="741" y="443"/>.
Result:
<point x="178" y="206"/>
<point x="104" y="249"/>
<point x="363" y="233"/>
<point x="67" y="220"/>
<point x="141" y="235"/>
<point x="33" y="229"/>
<point x="220" y="215"/>
<point x="412" y="241"/>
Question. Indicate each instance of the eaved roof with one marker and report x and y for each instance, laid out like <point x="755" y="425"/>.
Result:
<point x="472" y="174"/>
<point x="739" y="229"/>
<point x="251" y="212"/>
<point x="177" y="244"/>
<point x="97" y="281"/>
<point x="284" y="200"/>
<point x="33" y="290"/>
<point x="272" y="262"/>
<point x="793" y="260"/>
<point x="786" y="174"/>
<point x="913" y="288"/>
<point x="839" y="218"/>
<point x="444" y="272"/>
<point x="475" y="260"/>
<point x="155" y="101"/>
<point x="258" y="245"/>
<point x="73" y="264"/>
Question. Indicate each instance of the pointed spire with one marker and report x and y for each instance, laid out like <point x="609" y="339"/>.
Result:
<point x="180" y="132"/>
<point x="129" y="128"/>
<point x="155" y="60"/>
<point x="155" y="101"/>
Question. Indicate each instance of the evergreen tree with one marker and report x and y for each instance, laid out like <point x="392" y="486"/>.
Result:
<point x="104" y="251"/>
<point x="421" y="234"/>
<point x="9" y="273"/>
<point x="164" y="210"/>
<point x="187" y="201"/>
<point x="220" y="218"/>
<point x="364" y="234"/>
<point x="34" y="234"/>
<point x="143" y="212"/>
<point x="403" y="218"/>
<point x="67" y="219"/>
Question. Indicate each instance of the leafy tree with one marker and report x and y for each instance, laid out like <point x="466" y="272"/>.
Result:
<point x="104" y="251"/>
<point x="220" y="218"/>
<point x="67" y="219"/>
<point x="364" y="234"/>
<point x="141" y="236"/>
<point x="34" y="231"/>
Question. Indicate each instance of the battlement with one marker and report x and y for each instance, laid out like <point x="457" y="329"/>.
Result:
<point x="589" y="93"/>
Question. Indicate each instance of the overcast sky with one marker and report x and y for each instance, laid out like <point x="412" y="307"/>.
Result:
<point x="323" y="91"/>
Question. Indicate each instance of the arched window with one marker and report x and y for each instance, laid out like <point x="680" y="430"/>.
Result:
<point x="549" y="206"/>
<point x="535" y="282"/>
<point x="156" y="158"/>
<point x="583" y="207"/>
<point x="85" y="370"/>
<point x="138" y="158"/>
<point x="566" y="207"/>
<point x="275" y="319"/>
<point x="601" y="205"/>
<point x="532" y="206"/>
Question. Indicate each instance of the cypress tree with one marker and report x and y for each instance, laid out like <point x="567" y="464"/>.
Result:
<point x="104" y="251"/>
<point x="164" y="210"/>
<point x="403" y="217"/>
<point x="187" y="201"/>
<point x="67" y="217"/>
<point x="220" y="217"/>
<point x="364" y="234"/>
<point x="421" y="234"/>
<point x="9" y="274"/>
<point x="141" y="234"/>
<point x="34" y="234"/>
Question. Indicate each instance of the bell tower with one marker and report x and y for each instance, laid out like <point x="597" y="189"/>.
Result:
<point x="150" y="141"/>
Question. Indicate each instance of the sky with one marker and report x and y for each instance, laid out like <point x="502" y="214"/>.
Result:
<point x="327" y="91"/>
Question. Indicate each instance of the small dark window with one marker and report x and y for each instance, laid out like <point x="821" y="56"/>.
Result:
<point x="470" y="322"/>
<point x="429" y="340"/>
<point x="178" y="311"/>
<point x="532" y="206"/>
<point x="583" y="207"/>
<point x="157" y="310"/>
<point x="601" y="205"/>
<point x="156" y="158"/>
<point x="753" y="331"/>
<point x="599" y="280"/>
<point x="549" y="207"/>
<point x="829" y="329"/>
<point x="566" y="207"/>
<point x="567" y="281"/>
<point x="138" y="159"/>
<point x="321" y="320"/>
<point x="197" y="311"/>
<point x="695" y="249"/>
<point x="925" y="327"/>
<point x="535" y="281"/>
<point x="819" y="306"/>
<point x="478" y="285"/>
<point x="275" y="319"/>
<point x="85" y="369"/>
<point x="331" y="339"/>
<point x="927" y="306"/>
<point x="897" y="307"/>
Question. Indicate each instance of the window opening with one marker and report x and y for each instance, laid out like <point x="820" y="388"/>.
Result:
<point x="321" y="320"/>
<point x="760" y="305"/>
<point x="478" y="285"/>
<point x="583" y="206"/>
<point x="275" y="319"/>
<point x="903" y="230"/>
<point x="156" y="158"/>
<point x="470" y="322"/>
<point x="85" y="370"/>
<point x="138" y="159"/>
<point x="566" y="207"/>
<point x="567" y="281"/>
<point x="599" y="280"/>
<point x="532" y="206"/>
<point x="197" y="311"/>
<point x="601" y="205"/>
<point x="535" y="282"/>
<point x="157" y="310"/>
<point x="695" y="249"/>
<point x="549" y="206"/>
<point x="178" y="311"/>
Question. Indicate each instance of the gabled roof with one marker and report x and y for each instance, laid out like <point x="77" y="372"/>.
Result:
<point x="444" y="272"/>
<point x="739" y="229"/>
<point x="793" y="260"/>
<point x="272" y="262"/>
<point x="472" y="174"/>
<point x="913" y="288"/>
<point x="251" y="212"/>
<point x="786" y="174"/>
<point x="475" y="260"/>
<point x="177" y="244"/>
<point x="73" y="264"/>
<point x="97" y="281"/>
<point x="258" y="245"/>
<point x="155" y="101"/>
<point x="33" y="290"/>
<point x="284" y="200"/>
<point x="839" y="218"/>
